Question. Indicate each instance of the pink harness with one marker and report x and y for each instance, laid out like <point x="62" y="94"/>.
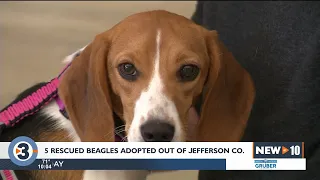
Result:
<point x="31" y="104"/>
<point x="14" y="113"/>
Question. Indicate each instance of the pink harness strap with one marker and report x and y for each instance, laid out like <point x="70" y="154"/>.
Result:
<point x="16" y="112"/>
<point x="8" y="175"/>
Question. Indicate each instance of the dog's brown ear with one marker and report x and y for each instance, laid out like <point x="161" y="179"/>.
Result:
<point x="84" y="89"/>
<point x="228" y="95"/>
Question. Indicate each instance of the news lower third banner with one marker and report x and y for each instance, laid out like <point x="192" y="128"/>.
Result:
<point x="25" y="154"/>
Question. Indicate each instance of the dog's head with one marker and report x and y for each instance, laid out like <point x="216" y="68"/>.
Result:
<point x="150" y="69"/>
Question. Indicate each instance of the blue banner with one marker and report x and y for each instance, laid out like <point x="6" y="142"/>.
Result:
<point x="118" y="164"/>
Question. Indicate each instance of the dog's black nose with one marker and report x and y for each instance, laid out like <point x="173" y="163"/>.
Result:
<point x="157" y="131"/>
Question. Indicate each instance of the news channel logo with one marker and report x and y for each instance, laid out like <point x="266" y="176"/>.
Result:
<point x="23" y="151"/>
<point x="265" y="164"/>
<point x="270" y="150"/>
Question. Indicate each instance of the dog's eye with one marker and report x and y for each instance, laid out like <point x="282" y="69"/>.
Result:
<point x="188" y="72"/>
<point x="128" y="71"/>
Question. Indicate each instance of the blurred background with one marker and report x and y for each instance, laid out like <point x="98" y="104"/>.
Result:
<point x="36" y="36"/>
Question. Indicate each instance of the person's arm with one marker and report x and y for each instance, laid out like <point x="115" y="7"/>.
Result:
<point x="278" y="43"/>
<point x="197" y="15"/>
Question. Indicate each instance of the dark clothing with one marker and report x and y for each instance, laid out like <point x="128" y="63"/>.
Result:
<point x="279" y="44"/>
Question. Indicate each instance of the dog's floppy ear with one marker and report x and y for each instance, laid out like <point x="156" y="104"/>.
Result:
<point x="228" y="95"/>
<point x="84" y="89"/>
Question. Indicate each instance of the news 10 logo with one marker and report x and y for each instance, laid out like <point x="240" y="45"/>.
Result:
<point x="23" y="151"/>
<point x="278" y="150"/>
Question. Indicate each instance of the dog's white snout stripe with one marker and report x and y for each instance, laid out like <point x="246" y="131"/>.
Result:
<point x="153" y="103"/>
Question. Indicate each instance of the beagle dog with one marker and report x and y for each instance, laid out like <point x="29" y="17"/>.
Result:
<point x="148" y="71"/>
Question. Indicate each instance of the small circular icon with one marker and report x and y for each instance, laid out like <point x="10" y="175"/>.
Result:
<point x="23" y="151"/>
